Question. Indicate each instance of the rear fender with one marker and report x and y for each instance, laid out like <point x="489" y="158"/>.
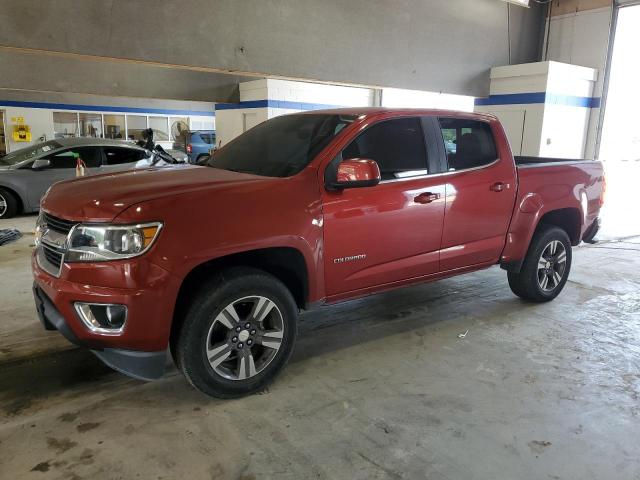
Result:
<point x="530" y="212"/>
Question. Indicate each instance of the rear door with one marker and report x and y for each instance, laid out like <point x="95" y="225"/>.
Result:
<point x="63" y="167"/>
<point x="390" y="232"/>
<point x="480" y="193"/>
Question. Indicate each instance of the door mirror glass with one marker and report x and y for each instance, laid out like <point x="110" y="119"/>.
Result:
<point x="356" y="172"/>
<point x="41" y="163"/>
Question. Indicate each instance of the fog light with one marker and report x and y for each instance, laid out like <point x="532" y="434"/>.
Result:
<point x="102" y="318"/>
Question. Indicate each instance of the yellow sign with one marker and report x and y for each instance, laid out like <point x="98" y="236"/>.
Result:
<point x="21" y="133"/>
<point x="17" y="119"/>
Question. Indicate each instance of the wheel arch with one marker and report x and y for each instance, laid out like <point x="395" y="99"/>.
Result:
<point x="285" y="263"/>
<point x="568" y="219"/>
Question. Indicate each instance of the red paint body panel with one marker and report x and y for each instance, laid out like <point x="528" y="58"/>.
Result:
<point x="405" y="231"/>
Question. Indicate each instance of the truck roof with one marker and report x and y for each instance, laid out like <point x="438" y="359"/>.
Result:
<point x="370" y="111"/>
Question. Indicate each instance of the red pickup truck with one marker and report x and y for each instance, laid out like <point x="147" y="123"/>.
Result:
<point x="213" y="263"/>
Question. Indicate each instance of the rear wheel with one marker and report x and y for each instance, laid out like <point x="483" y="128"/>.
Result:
<point x="8" y="204"/>
<point x="238" y="333"/>
<point x="546" y="267"/>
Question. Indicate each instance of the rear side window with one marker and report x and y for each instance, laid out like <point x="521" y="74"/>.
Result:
<point x="66" y="158"/>
<point x="468" y="143"/>
<point x="209" y="138"/>
<point x="118" y="156"/>
<point x="396" y="145"/>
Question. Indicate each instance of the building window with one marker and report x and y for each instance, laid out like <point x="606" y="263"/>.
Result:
<point x="160" y="126"/>
<point x="203" y="123"/>
<point x="135" y="125"/>
<point x="65" y="124"/>
<point x="114" y="126"/>
<point x="90" y="125"/>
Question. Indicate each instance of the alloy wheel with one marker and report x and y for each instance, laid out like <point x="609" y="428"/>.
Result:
<point x="3" y="206"/>
<point x="244" y="337"/>
<point x="552" y="265"/>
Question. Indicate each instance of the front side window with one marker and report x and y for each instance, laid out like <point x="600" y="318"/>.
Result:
<point x="282" y="146"/>
<point x="396" y="145"/>
<point x="118" y="156"/>
<point x="468" y="143"/>
<point x="66" y="158"/>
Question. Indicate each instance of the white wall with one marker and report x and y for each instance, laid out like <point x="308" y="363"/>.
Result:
<point x="296" y="97"/>
<point x="582" y="38"/>
<point x="401" y="98"/>
<point x="231" y="123"/>
<point x="552" y="128"/>
<point x="318" y="93"/>
<point x="39" y="120"/>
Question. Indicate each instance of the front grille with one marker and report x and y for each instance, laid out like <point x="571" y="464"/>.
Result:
<point x="58" y="224"/>
<point x="53" y="256"/>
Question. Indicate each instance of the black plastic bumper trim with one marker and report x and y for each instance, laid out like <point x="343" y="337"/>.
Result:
<point x="50" y="317"/>
<point x="136" y="364"/>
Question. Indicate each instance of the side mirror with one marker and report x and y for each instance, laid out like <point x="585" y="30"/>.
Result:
<point x="356" y="172"/>
<point x="41" y="163"/>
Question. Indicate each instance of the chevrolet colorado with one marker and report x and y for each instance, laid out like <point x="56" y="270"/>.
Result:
<point x="213" y="263"/>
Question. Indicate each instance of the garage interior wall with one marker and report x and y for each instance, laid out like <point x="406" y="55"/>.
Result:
<point x="401" y="44"/>
<point x="578" y="33"/>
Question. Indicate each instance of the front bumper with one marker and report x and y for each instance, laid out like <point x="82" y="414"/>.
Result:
<point x="141" y="349"/>
<point x="137" y="364"/>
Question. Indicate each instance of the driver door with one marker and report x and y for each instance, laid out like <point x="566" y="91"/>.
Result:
<point x="63" y="167"/>
<point x="391" y="232"/>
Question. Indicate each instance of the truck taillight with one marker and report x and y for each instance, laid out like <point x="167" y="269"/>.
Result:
<point x="189" y="148"/>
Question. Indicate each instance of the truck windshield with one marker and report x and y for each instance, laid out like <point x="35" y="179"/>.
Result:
<point x="282" y="146"/>
<point x="27" y="153"/>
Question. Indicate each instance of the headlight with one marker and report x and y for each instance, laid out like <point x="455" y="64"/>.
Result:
<point x="98" y="243"/>
<point x="37" y="234"/>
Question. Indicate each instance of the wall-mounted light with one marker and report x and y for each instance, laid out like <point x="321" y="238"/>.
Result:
<point x="522" y="3"/>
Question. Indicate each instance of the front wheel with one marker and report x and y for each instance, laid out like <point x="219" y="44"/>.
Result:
<point x="238" y="333"/>
<point x="8" y="204"/>
<point x="546" y="267"/>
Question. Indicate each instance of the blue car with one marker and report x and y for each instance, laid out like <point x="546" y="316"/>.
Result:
<point x="198" y="144"/>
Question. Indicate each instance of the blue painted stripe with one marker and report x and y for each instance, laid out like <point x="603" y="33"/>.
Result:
<point x="241" y="105"/>
<point x="103" y="108"/>
<point x="288" y="104"/>
<point x="539" y="98"/>
<point x="512" y="98"/>
<point x="573" y="101"/>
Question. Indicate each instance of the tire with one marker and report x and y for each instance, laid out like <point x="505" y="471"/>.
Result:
<point x="202" y="159"/>
<point x="214" y="348"/>
<point x="8" y="204"/>
<point x="549" y="257"/>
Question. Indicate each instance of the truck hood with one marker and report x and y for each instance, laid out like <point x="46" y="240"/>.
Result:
<point x="101" y="198"/>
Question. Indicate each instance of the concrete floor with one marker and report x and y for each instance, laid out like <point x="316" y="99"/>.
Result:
<point x="377" y="388"/>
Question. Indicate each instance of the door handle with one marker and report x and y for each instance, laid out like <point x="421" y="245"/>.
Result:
<point x="498" y="187"/>
<point x="427" y="197"/>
